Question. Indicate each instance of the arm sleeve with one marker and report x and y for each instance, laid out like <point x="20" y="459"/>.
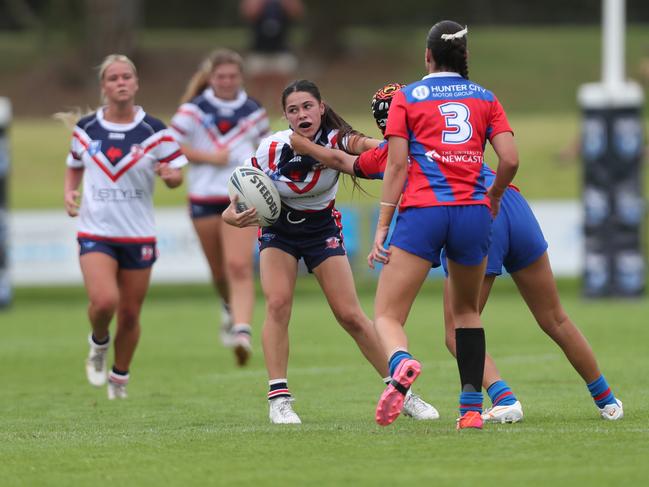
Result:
<point x="397" y="117"/>
<point x="261" y="124"/>
<point x="184" y="122"/>
<point x="498" y="122"/>
<point x="167" y="150"/>
<point x="76" y="150"/>
<point x="371" y="163"/>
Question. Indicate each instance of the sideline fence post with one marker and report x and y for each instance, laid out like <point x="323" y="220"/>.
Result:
<point x="612" y="149"/>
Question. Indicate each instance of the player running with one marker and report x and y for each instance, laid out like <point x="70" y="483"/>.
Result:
<point x="117" y="152"/>
<point x="219" y="127"/>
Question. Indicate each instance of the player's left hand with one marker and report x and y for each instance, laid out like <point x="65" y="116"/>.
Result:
<point x="171" y="176"/>
<point x="379" y="252"/>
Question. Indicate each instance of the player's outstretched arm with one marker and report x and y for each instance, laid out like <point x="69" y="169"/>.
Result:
<point x="358" y="143"/>
<point x="332" y="158"/>
<point x="219" y="157"/>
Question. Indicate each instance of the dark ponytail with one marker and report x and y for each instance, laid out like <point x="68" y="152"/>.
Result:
<point x="448" y="52"/>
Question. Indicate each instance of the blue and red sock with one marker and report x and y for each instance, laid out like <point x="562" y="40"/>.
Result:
<point x="396" y="359"/>
<point x="601" y="392"/>
<point x="278" y="388"/>
<point x="470" y="401"/>
<point x="501" y="394"/>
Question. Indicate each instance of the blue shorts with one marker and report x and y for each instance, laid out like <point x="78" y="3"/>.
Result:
<point x="311" y="235"/>
<point x="516" y="237"/>
<point x="202" y="209"/>
<point x="464" y="231"/>
<point x="127" y="255"/>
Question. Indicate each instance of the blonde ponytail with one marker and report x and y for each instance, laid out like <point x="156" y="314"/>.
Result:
<point x="201" y="78"/>
<point x="71" y="117"/>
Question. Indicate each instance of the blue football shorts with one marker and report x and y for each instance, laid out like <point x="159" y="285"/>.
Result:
<point x="463" y="230"/>
<point x="516" y="237"/>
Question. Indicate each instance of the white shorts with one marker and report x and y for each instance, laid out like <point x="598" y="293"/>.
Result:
<point x="276" y="63"/>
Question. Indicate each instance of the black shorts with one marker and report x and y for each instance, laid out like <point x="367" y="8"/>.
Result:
<point x="127" y="255"/>
<point x="202" y="209"/>
<point x="311" y="235"/>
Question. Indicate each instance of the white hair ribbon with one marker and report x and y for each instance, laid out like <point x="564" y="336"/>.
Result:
<point x="457" y="35"/>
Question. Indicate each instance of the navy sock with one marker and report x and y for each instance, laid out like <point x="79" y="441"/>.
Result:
<point x="500" y="394"/>
<point x="119" y="372"/>
<point x="278" y="388"/>
<point x="396" y="359"/>
<point x="601" y="392"/>
<point x="100" y="342"/>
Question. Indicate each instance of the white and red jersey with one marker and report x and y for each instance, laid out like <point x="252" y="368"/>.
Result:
<point x="118" y="180"/>
<point x="301" y="184"/>
<point x="208" y="123"/>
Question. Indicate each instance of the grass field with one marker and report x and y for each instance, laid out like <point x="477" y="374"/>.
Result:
<point x="194" y="418"/>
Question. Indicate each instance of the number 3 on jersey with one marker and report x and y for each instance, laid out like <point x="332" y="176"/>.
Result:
<point x="456" y="116"/>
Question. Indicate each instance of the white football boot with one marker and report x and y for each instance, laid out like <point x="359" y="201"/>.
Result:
<point x="96" y="363"/>
<point x="117" y="386"/>
<point x="241" y="342"/>
<point x="504" y="414"/>
<point x="415" y="407"/>
<point x="225" y="332"/>
<point x="612" y="412"/>
<point x="281" y="411"/>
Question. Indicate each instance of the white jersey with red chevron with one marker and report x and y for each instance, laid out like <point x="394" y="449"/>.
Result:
<point x="301" y="183"/>
<point x="118" y="180"/>
<point x="208" y="123"/>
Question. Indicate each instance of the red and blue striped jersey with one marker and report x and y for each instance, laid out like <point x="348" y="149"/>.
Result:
<point x="371" y="165"/>
<point x="447" y="121"/>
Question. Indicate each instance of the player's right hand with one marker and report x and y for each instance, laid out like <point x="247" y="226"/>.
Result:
<point x="71" y="200"/>
<point x="379" y="253"/>
<point x="300" y="143"/>
<point x="247" y="218"/>
<point x="494" y="201"/>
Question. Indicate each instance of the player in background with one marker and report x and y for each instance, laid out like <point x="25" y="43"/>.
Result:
<point x="518" y="244"/>
<point x="309" y="228"/>
<point x="270" y="63"/>
<point x="117" y="151"/>
<point x="218" y="127"/>
<point x="437" y="129"/>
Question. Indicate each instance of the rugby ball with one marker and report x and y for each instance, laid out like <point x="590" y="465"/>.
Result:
<point x="254" y="189"/>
